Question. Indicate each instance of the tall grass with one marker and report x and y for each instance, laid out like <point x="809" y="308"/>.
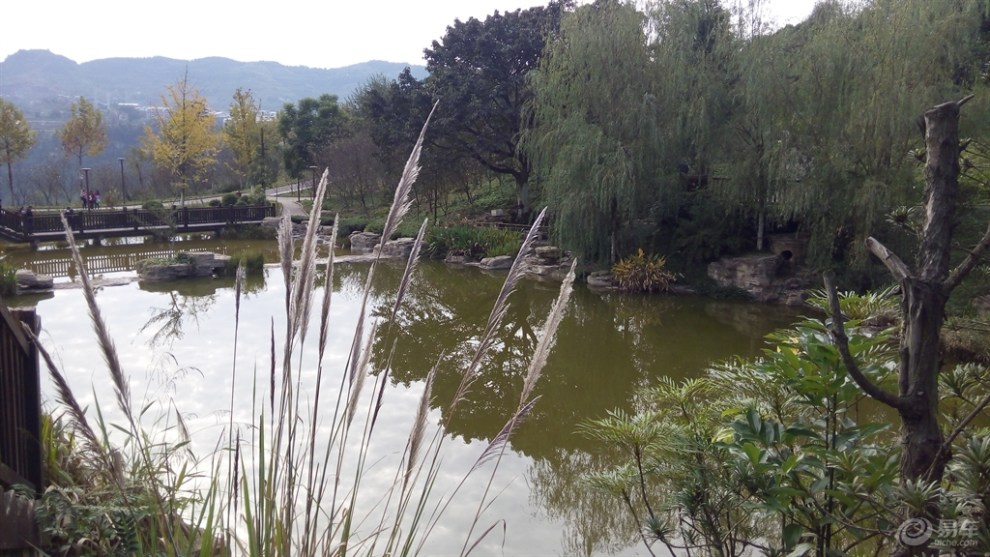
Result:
<point x="292" y="481"/>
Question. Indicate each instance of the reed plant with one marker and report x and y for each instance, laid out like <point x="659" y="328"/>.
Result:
<point x="292" y="480"/>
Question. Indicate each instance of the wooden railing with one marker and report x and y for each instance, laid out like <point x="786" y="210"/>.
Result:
<point x="20" y="432"/>
<point x="20" y="393"/>
<point x="26" y="227"/>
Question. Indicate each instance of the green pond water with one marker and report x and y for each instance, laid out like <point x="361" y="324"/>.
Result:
<point x="176" y="342"/>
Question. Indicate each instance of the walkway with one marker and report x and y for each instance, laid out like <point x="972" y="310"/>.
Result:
<point x="47" y="226"/>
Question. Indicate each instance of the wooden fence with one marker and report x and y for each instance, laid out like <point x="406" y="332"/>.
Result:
<point x="20" y="430"/>
<point x="25" y="227"/>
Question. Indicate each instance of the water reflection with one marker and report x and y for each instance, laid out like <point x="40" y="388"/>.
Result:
<point x="608" y="346"/>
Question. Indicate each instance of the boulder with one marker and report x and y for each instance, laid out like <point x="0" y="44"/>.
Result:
<point x="767" y="278"/>
<point x="400" y="247"/>
<point x="28" y="282"/>
<point x="364" y="242"/>
<point x="549" y="253"/>
<point x="496" y="263"/>
<point x="601" y="280"/>
<point x="200" y="264"/>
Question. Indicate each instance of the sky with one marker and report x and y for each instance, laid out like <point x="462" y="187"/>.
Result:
<point x="314" y="33"/>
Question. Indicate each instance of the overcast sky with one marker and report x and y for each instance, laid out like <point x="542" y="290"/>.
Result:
<point x="319" y="34"/>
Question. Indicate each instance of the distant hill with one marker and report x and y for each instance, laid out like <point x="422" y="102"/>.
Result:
<point x="41" y="82"/>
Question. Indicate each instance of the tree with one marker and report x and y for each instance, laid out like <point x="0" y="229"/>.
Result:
<point x="16" y="139"/>
<point x="924" y="292"/>
<point x="243" y="134"/>
<point x="184" y="141"/>
<point x="390" y="111"/>
<point x="478" y="72"/>
<point x="308" y="130"/>
<point x="594" y="134"/>
<point x="84" y="133"/>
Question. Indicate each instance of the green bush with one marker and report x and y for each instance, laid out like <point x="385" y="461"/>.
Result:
<point x="643" y="273"/>
<point x="229" y="199"/>
<point x="214" y="203"/>
<point x="472" y="241"/>
<point x="8" y="279"/>
<point x="152" y="205"/>
<point x="254" y="263"/>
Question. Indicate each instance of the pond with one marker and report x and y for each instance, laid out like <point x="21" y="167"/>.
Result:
<point x="176" y="342"/>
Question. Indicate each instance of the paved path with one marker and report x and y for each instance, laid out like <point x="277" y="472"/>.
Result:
<point x="289" y="205"/>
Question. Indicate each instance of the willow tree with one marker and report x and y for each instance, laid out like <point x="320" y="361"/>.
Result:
<point x="830" y="103"/>
<point x="84" y="133"/>
<point x="16" y="138"/>
<point x="183" y="141"/>
<point x="595" y="127"/>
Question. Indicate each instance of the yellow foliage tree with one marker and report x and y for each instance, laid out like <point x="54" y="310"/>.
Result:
<point x="16" y="139"/>
<point x="183" y="140"/>
<point x="243" y="134"/>
<point x="84" y="133"/>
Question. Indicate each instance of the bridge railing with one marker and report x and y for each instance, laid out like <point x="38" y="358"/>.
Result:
<point x="20" y="391"/>
<point x="136" y="219"/>
<point x="20" y="432"/>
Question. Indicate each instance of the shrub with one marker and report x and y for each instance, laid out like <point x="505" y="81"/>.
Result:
<point x="152" y="205"/>
<point x="8" y="279"/>
<point x="229" y="199"/>
<point x="643" y="273"/>
<point x="214" y="203"/>
<point x="254" y="263"/>
<point x="472" y="241"/>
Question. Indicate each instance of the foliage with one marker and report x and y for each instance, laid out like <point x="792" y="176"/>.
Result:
<point x="84" y="133"/>
<point x="308" y="130"/>
<point x="472" y="241"/>
<point x="253" y="262"/>
<point x="595" y="133"/>
<point x="643" y="273"/>
<point x="676" y="123"/>
<point x="16" y="139"/>
<point x="781" y="455"/>
<point x="152" y="204"/>
<point x="479" y="69"/>
<point x="8" y="279"/>
<point x="183" y="142"/>
<point x="242" y="132"/>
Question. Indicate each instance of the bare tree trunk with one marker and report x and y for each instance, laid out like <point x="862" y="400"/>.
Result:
<point x="924" y="295"/>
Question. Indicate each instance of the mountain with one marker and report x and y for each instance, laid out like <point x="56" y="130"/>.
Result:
<point x="38" y="81"/>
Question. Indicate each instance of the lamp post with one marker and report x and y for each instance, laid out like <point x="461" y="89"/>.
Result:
<point x="123" y="188"/>
<point x="86" y="174"/>
<point x="313" y="192"/>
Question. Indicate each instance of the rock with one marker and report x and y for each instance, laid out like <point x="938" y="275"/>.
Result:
<point x="767" y="278"/>
<point x="200" y="264"/>
<point x="27" y="282"/>
<point x="601" y="280"/>
<point x="549" y="253"/>
<point x="498" y="262"/>
<point x="457" y="259"/>
<point x="400" y="247"/>
<point x="364" y="242"/>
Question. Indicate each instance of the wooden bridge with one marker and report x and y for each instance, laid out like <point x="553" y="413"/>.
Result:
<point x="103" y="223"/>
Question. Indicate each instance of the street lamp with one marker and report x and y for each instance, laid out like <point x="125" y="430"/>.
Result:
<point x="123" y="188"/>
<point x="86" y="173"/>
<point x="313" y="168"/>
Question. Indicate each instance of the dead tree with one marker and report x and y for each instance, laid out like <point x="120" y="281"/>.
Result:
<point x="924" y="292"/>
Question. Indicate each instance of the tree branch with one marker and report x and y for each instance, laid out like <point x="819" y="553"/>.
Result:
<point x="894" y="264"/>
<point x="841" y="341"/>
<point x="967" y="265"/>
